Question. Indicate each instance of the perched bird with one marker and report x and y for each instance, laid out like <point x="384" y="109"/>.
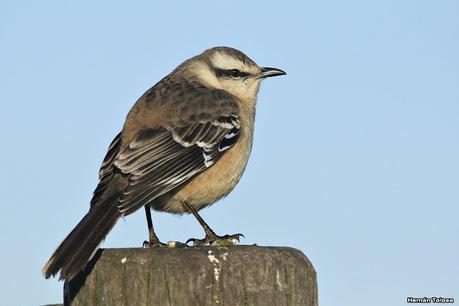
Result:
<point x="184" y="145"/>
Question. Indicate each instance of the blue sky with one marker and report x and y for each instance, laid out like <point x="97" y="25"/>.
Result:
<point x="355" y="159"/>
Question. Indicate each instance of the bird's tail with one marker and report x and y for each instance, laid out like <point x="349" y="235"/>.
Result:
<point x="80" y="245"/>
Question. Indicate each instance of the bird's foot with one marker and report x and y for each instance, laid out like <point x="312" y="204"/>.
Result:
<point x="159" y="244"/>
<point x="215" y="240"/>
<point x="154" y="244"/>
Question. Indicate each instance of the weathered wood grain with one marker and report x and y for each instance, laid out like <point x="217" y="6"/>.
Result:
<point x="241" y="275"/>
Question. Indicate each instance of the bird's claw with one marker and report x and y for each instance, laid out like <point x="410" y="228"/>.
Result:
<point x="159" y="244"/>
<point x="153" y="244"/>
<point x="215" y="240"/>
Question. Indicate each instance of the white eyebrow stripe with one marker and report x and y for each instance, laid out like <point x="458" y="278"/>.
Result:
<point x="223" y="61"/>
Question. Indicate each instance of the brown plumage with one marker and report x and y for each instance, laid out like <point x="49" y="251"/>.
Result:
<point x="184" y="145"/>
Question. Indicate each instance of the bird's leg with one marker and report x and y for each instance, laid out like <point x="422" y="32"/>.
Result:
<point x="211" y="238"/>
<point x="154" y="240"/>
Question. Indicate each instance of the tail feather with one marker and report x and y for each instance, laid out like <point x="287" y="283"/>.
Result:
<point x="77" y="249"/>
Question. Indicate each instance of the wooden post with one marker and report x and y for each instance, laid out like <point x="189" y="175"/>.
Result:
<point x="240" y="275"/>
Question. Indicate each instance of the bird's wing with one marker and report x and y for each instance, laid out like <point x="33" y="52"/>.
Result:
<point x="106" y="170"/>
<point x="161" y="159"/>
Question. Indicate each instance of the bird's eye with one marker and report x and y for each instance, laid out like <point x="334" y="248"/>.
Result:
<point x="234" y="73"/>
<point x="231" y="73"/>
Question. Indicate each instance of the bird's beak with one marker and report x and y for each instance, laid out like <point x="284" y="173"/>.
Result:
<point x="267" y="72"/>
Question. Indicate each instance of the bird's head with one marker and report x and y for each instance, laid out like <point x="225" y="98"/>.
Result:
<point x="231" y="70"/>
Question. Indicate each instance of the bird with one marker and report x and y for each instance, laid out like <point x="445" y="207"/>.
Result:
<point x="184" y="145"/>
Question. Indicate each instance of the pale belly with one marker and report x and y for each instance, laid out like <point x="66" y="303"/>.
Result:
<point x="214" y="183"/>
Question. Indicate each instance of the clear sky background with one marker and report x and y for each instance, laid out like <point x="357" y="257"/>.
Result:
<point x="356" y="153"/>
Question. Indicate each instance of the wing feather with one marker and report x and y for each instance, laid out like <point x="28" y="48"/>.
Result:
<point x="170" y="157"/>
<point x="106" y="170"/>
<point x="160" y="159"/>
